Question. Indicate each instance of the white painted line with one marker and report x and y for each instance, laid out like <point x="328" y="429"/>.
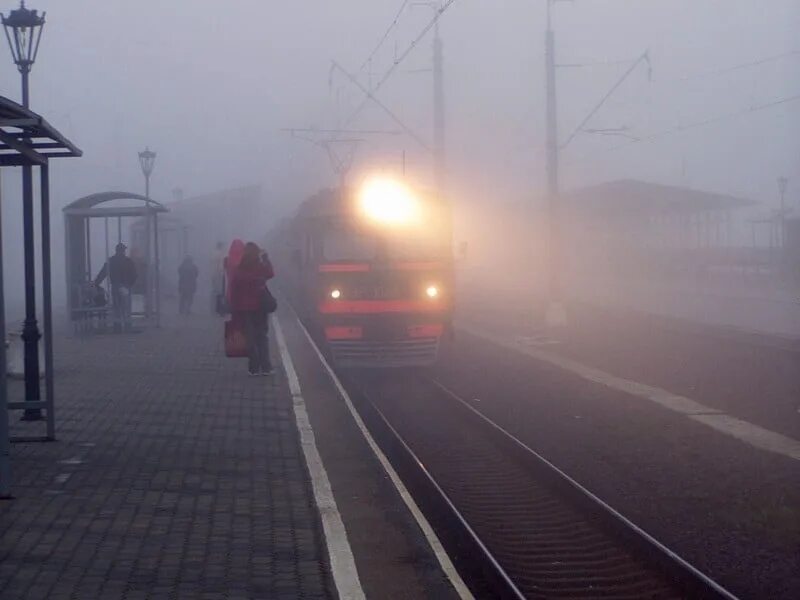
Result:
<point x="343" y="565"/>
<point x="752" y="434"/>
<point x="743" y="431"/>
<point x="62" y="477"/>
<point x="75" y="460"/>
<point x="430" y="535"/>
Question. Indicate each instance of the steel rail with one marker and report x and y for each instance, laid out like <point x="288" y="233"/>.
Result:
<point x="455" y="527"/>
<point x="429" y="493"/>
<point x="678" y="570"/>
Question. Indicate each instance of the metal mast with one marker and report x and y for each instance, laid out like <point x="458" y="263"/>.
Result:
<point x="555" y="314"/>
<point x="439" y="152"/>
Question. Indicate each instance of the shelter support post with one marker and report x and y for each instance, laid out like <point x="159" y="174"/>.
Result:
<point x="5" y="442"/>
<point x="107" y="240"/>
<point x="157" y="286"/>
<point x="88" y="241"/>
<point x="148" y="258"/>
<point x="47" y="302"/>
<point x="68" y="268"/>
<point x="30" y="331"/>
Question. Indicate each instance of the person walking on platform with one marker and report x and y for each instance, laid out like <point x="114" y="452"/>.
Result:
<point x="248" y="293"/>
<point x="121" y="273"/>
<point x="187" y="285"/>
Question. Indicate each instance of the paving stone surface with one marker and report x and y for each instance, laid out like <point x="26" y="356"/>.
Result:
<point x="175" y="475"/>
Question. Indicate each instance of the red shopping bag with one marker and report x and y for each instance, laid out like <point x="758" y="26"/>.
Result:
<point x="235" y="339"/>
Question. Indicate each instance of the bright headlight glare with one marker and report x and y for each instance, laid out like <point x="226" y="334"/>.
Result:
<point x="388" y="201"/>
<point x="336" y="294"/>
<point x="432" y="291"/>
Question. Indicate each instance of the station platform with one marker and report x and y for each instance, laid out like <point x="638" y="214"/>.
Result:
<point x="176" y="475"/>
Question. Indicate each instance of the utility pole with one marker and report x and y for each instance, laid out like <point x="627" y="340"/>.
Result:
<point x="555" y="314"/>
<point x="439" y="153"/>
<point x="783" y="183"/>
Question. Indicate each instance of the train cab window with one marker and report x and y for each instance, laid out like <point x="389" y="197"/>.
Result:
<point x="342" y="244"/>
<point x="422" y="245"/>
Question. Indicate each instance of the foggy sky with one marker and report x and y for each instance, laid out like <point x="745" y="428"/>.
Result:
<point x="209" y="85"/>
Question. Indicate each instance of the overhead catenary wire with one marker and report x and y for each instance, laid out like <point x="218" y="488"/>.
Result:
<point x="698" y="124"/>
<point x="739" y="67"/>
<point x="399" y="60"/>
<point x="385" y="36"/>
<point x="371" y="97"/>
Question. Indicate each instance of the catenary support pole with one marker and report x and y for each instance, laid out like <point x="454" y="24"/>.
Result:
<point x="555" y="314"/>
<point x="439" y="150"/>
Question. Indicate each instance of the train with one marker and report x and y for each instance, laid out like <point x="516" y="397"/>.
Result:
<point x="370" y="271"/>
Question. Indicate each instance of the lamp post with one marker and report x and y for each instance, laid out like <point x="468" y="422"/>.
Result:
<point x="147" y="160"/>
<point x="23" y="29"/>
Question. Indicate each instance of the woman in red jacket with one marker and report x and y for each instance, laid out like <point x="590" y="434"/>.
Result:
<point x="247" y="294"/>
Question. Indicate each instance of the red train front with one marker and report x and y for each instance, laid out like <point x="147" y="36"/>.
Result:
<point x="373" y="272"/>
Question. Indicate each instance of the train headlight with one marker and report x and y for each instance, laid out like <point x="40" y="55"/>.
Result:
<point x="388" y="202"/>
<point x="432" y="292"/>
<point x="336" y="294"/>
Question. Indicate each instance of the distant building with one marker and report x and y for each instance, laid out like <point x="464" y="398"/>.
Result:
<point x="645" y="230"/>
<point x="196" y="225"/>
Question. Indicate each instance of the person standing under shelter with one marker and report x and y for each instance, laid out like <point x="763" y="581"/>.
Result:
<point x="121" y="273"/>
<point x="187" y="285"/>
<point x="248" y="293"/>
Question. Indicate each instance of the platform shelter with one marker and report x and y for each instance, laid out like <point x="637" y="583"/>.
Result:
<point x="116" y="211"/>
<point x="27" y="140"/>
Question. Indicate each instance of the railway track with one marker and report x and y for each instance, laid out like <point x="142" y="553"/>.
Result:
<point x="507" y="513"/>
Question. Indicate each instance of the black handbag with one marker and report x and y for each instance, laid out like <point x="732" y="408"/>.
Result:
<point x="268" y="302"/>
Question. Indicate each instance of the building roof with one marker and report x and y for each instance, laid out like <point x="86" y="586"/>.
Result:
<point x="27" y="139"/>
<point x="630" y="197"/>
<point x="220" y="198"/>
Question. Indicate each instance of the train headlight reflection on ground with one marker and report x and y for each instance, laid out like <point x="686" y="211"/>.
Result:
<point x="388" y="202"/>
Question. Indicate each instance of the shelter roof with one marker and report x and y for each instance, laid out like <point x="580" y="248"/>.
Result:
<point x="630" y="197"/>
<point x="27" y="139"/>
<point x="89" y="206"/>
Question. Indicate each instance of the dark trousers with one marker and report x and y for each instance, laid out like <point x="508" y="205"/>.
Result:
<point x="256" y="327"/>
<point x="185" y="301"/>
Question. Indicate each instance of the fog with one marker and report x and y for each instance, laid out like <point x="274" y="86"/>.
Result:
<point x="212" y="86"/>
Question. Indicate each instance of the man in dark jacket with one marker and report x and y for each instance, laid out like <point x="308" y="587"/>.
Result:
<point x="121" y="273"/>
<point x="187" y="284"/>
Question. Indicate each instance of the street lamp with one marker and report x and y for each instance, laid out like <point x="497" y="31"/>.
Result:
<point x="147" y="160"/>
<point x="23" y="28"/>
